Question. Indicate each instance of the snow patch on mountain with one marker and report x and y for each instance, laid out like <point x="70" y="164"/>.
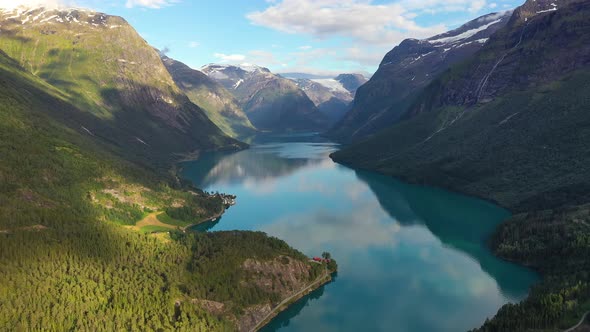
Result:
<point x="53" y="15"/>
<point x="464" y="35"/>
<point x="238" y="83"/>
<point x="331" y="84"/>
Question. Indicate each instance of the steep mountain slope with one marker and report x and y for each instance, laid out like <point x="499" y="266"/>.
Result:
<point x="481" y="141"/>
<point x="511" y="125"/>
<point x="106" y="69"/>
<point x="219" y="104"/>
<point x="271" y="102"/>
<point x="406" y="70"/>
<point x="331" y="96"/>
<point x="351" y="82"/>
<point x="68" y="244"/>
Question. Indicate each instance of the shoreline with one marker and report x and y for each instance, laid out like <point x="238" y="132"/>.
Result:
<point x="289" y="301"/>
<point x="487" y="243"/>
<point x="284" y="304"/>
<point x="209" y="219"/>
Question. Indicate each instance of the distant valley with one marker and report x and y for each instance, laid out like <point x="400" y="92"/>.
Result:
<point x="270" y="101"/>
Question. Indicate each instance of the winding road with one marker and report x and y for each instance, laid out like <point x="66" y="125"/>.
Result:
<point x="572" y="329"/>
<point x="287" y="300"/>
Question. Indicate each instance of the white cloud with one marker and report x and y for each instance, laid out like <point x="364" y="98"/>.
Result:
<point x="193" y="44"/>
<point x="155" y="4"/>
<point x="365" y="29"/>
<point x="360" y="20"/>
<point x="362" y="55"/>
<point x="230" y="57"/>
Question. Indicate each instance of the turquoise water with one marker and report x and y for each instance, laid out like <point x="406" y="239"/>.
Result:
<point x="410" y="258"/>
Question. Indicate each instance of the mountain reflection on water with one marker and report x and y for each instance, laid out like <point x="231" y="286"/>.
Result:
<point x="410" y="258"/>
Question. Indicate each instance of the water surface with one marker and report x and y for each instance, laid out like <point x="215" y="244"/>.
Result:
<point x="410" y="258"/>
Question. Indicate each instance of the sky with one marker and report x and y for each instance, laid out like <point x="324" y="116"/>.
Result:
<point x="324" y="37"/>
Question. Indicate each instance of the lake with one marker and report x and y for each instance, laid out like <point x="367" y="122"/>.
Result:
<point x="410" y="258"/>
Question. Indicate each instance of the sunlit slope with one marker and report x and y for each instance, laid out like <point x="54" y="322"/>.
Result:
<point x="107" y="70"/>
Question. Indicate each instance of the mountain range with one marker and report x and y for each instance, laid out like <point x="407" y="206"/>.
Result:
<point x="219" y="104"/>
<point x="271" y="102"/>
<point x="332" y="96"/>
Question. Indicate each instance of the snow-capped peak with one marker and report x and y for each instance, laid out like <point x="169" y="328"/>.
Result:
<point x="220" y="71"/>
<point x="55" y="15"/>
<point x="249" y="67"/>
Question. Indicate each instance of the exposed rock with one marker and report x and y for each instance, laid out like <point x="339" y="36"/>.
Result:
<point x="271" y="102"/>
<point x="214" y="308"/>
<point x="406" y="70"/>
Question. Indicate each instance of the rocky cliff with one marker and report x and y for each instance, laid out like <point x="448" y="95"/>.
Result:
<point x="406" y="70"/>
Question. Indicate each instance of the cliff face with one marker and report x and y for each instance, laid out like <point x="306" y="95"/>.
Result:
<point x="406" y="70"/>
<point x="281" y="277"/>
<point x="538" y="46"/>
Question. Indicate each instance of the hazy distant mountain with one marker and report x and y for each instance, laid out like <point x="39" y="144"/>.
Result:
<point x="332" y="96"/>
<point x="271" y="102"/>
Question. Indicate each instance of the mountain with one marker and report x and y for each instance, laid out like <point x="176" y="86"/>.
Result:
<point x="87" y="232"/>
<point x="219" y="104"/>
<point x="106" y="69"/>
<point x="510" y="124"/>
<point x="351" y="82"/>
<point x="271" y="102"/>
<point x="406" y="70"/>
<point x="332" y="96"/>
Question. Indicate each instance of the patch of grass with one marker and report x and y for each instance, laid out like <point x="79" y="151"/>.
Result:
<point x="166" y="219"/>
<point x="154" y="229"/>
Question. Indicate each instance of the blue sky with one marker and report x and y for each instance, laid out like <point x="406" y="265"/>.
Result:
<point x="315" y="36"/>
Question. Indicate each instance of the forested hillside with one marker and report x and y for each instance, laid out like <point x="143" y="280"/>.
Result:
<point x="511" y="125"/>
<point x="70" y="255"/>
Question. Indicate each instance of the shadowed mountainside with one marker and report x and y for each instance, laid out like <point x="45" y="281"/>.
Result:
<point x="219" y="104"/>
<point x="272" y="102"/>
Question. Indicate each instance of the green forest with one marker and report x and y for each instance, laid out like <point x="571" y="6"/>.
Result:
<point x="69" y="258"/>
